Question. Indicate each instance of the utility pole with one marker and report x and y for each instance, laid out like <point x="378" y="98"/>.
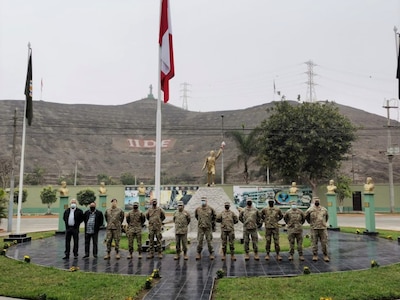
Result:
<point x="76" y="172"/>
<point x="391" y="150"/>
<point x="11" y="201"/>
<point x="311" y="95"/>
<point x="185" y="95"/>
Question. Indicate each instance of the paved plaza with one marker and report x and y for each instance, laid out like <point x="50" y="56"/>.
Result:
<point x="194" y="279"/>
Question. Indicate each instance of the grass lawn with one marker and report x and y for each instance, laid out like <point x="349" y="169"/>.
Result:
<point x="25" y="280"/>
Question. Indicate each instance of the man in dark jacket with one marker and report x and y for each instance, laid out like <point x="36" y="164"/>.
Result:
<point x="73" y="218"/>
<point x="93" y="219"/>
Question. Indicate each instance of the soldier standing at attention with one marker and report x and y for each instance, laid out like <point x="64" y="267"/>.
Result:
<point x="114" y="218"/>
<point x="250" y="217"/>
<point x="271" y="216"/>
<point x="228" y="219"/>
<point x="295" y="219"/>
<point x="181" y="220"/>
<point x="317" y="216"/>
<point x="155" y="215"/>
<point x="135" y="219"/>
<point x="205" y="215"/>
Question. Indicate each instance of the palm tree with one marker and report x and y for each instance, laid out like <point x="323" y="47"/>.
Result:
<point x="247" y="146"/>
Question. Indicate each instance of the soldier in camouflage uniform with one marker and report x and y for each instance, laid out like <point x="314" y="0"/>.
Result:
<point x="295" y="219"/>
<point x="317" y="216"/>
<point x="135" y="220"/>
<point x="251" y="218"/>
<point x="205" y="215"/>
<point x="155" y="215"/>
<point x="228" y="219"/>
<point x="114" y="217"/>
<point x="271" y="216"/>
<point x="181" y="219"/>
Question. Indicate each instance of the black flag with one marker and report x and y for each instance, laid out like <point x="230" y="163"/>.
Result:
<point x="28" y="90"/>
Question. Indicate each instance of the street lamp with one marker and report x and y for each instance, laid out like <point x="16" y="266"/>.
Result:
<point x="222" y="154"/>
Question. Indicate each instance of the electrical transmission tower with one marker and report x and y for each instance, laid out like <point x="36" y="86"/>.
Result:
<point x="185" y="95"/>
<point x="311" y="95"/>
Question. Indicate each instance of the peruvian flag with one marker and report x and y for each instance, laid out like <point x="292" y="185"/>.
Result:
<point x="166" y="50"/>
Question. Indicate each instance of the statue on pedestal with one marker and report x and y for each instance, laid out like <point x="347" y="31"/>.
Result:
<point x="331" y="188"/>
<point x="293" y="189"/>
<point x="63" y="189"/>
<point x="102" y="188"/>
<point x="210" y="164"/>
<point x="369" y="186"/>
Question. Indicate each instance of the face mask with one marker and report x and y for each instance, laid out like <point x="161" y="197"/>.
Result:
<point x="227" y="207"/>
<point x="248" y="203"/>
<point x="92" y="208"/>
<point x="203" y="203"/>
<point x="135" y="207"/>
<point x="73" y="205"/>
<point x="316" y="203"/>
<point x="154" y="204"/>
<point x="271" y="204"/>
<point x="294" y="206"/>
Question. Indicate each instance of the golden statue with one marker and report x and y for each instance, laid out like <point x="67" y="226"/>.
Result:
<point x="293" y="189"/>
<point x="331" y="188"/>
<point x="102" y="188"/>
<point x="369" y="186"/>
<point x="142" y="189"/>
<point x="210" y="164"/>
<point x="63" y="189"/>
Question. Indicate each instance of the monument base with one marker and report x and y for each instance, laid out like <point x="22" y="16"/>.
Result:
<point x="20" y="238"/>
<point x="372" y="233"/>
<point x="334" y="228"/>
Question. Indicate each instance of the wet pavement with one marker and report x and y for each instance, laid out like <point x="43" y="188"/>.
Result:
<point x="194" y="279"/>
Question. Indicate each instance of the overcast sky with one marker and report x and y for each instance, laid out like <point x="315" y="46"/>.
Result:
<point x="230" y="52"/>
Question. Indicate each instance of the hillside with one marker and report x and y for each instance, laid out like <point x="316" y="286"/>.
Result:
<point x="117" y="139"/>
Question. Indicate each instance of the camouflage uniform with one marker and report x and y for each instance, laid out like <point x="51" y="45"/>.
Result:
<point x="114" y="218"/>
<point x="135" y="219"/>
<point x="271" y="216"/>
<point x="295" y="218"/>
<point x="205" y="216"/>
<point x="250" y="217"/>
<point x="227" y="218"/>
<point x="181" y="220"/>
<point x="155" y="216"/>
<point x="317" y="216"/>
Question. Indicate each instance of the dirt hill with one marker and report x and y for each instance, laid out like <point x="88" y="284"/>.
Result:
<point x="117" y="139"/>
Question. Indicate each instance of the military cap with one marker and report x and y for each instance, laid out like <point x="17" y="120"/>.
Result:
<point x="227" y="203"/>
<point x="114" y="200"/>
<point x="180" y="203"/>
<point x="135" y="202"/>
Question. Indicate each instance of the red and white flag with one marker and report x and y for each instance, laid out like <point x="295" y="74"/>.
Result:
<point x="166" y="50"/>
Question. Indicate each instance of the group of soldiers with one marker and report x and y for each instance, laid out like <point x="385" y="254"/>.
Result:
<point x="252" y="219"/>
<point x="206" y="216"/>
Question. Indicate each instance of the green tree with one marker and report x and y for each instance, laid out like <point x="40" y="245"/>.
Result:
<point x="127" y="178"/>
<point x="3" y="206"/>
<point x="343" y="190"/>
<point x="247" y="146"/>
<point x="48" y="196"/>
<point x="306" y="141"/>
<point x="85" y="197"/>
<point x="36" y="177"/>
<point x="24" y="195"/>
<point x="105" y="178"/>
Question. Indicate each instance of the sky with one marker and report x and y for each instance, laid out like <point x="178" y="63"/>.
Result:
<point x="229" y="54"/>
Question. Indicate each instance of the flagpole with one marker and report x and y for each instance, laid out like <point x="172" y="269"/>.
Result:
<point x="21" y="168"/>
<point x="157" y="185"/>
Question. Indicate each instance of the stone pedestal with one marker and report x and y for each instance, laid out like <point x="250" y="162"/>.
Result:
<point x="369" y="209"/>
<point x="102" y="203"/>
<point x="216" y="197"/>
<point x="20" y="238"/>
<point x="61" y="208"/>
<point x="293" y="197"/>
<point x="142" y="203"/>
<point x="332" y="211"/>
